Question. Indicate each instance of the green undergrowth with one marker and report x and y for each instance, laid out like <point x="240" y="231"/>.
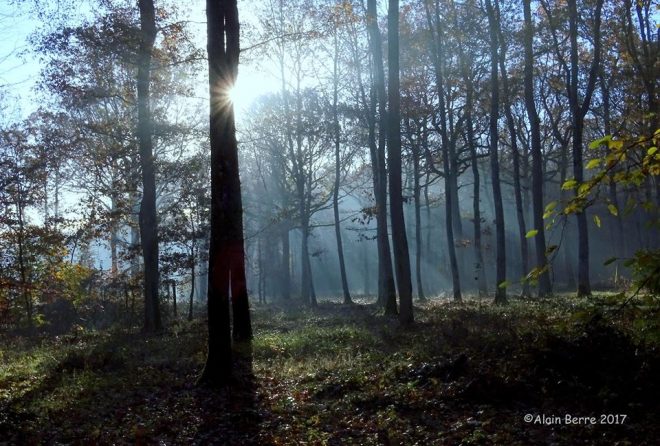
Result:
<point x="462" y="374"/>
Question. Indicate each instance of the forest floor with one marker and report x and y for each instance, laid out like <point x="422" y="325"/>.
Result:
<point x="469" y="374"/>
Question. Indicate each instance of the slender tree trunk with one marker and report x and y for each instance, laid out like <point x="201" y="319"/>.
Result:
<point x="545" y="287"/>
<point x="567" y="241"/>
<point x="306" y="287"/>
<point x="500" y="291"/>
<point x="114" y="238"/>
<point x="400" y="241"/>
<point x="386" y="286"/>
<point x="260" y="270"/>
<point x="22" y="268"/>
<point x="174" y="301"/>
<point x="148" y="216"/>
<point x="418" y="224"/>
<point x="476" y="194"/>
<point x="578" y="112"/>
<point x="366" y="275"/>
<point x="286" y="264"/>
<point x="335" y="195"/>
<point x="226" y="251"/>
<point x="437" y="44"/>
<point x="617" y="227"/>
<point x="515" y="155"/>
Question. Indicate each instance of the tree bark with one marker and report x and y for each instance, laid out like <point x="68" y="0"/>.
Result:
<point x="476" y="188"/>
<point x="500" y="290"/>
<point x="399" y="239"/>
<point x="437" y="45"/>
<point x="386" y="286"/>
<point x="515" y="155"/>
<point x="286" y="264"/>
<point x="418" y="221"/>
<point x="545" y="287"/>
<point x="335" y="195"/>
<point x="578" y="112"/>
<point x="148" y="216"/>
<point x="226" y="250"/>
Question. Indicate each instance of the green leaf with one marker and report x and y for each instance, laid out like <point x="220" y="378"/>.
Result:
<point x="549" y="209"/>
<point x="593" y="163"/>
<point x="616" y="145"/>
<point x="597" y="143"/>
<point x="531" y="233"/>
<point x="597" y="220"/>
<point x="504" y="284"/>
<point x="651" y="151"/>
<point x="610" y="261"/>
<point x="613" y="210"/>
<point x="569" y="184"/>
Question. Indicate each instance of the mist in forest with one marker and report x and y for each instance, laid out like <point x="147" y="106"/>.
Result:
<point x="313" y="141"/>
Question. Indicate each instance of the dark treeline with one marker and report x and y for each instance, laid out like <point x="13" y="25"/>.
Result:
<point x="444" y="149"/>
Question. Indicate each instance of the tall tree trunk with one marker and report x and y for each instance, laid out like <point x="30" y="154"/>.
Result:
<point x="437" y="45"/>
<point x="148" y="217"/>
<point x="479" y="271"/>
<point x="545" y="287"/>
<point x="418" y="222"/>
<point x="399" y="239"/>
<point x="567" y="242"/>
<point x="515" y="155"/>
<point x="335" y="195"/>
<point x="578" y="112"/>
<point x="500" y="290"/>
<point x="617" y="227"/>
<point x="226" y="251"/>
<point x="386" y="286"/>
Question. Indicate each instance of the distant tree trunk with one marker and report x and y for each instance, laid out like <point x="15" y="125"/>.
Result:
<point x="191" y="298"/>
<point x="476" y="207"/>
<point x="366" y="275"/>
<point x="567" y="242"/>
<point x="545" y="287"/>
<point x="617" y="227"/>
<point x="174" y="302"/>
<point x="515" y="155"/>
<point x="453" y="182"/>
<point x="114" y="237"/>
<point x="418" y="221"/>
<point x="437" y="44"/>
<point x="578" y="112"/>
<point x="386" y="286"/>
<point x="286" y="265"/>
<point x="148" y="217"/>
<point x="500" y="291"/>
<point x="226" y="251"/>
<point x="399" y="239"/>
<point x="22" y="268"/>
<point x="306" y="281"/>
<point x="260" y="270"/>
<point x="476" y="194"/>
<point x="335" y="195"/>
